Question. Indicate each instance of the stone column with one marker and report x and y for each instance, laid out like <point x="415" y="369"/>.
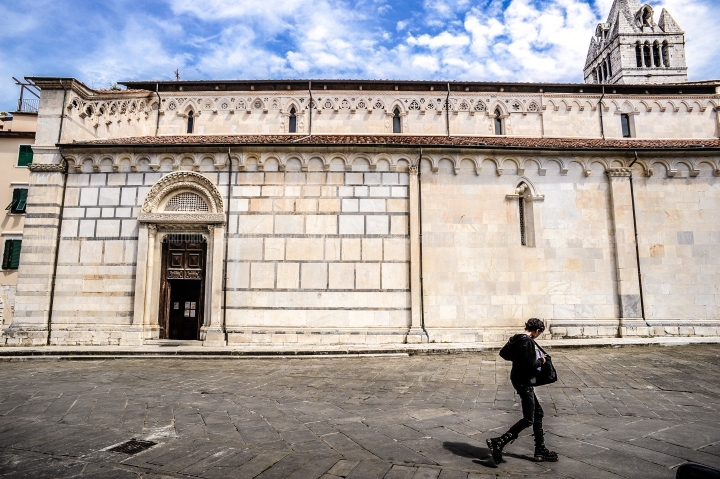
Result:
<point x="415" y="334"/>
<point x="29" y="326"/>
<point x="626" y="265"/>
<point x="212" y="331"/>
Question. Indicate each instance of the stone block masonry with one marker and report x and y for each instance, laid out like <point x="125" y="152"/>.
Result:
<point x="318" y="257"/>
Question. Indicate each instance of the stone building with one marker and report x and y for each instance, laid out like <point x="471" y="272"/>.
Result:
<point x="332" y="212"/>
<point x="631" y="48"/>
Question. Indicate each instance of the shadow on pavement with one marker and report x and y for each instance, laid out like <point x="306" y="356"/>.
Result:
<point x="481" y="454"/>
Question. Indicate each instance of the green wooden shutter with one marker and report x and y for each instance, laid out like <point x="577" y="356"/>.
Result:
<point x="15" y="256"/>
<point x="13" y="203"/>
<point x="6" y="254"/>
<point x="25" y="155"/>
<point x="22" y="199"/>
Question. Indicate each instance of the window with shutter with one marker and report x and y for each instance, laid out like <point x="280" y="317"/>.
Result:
<point x="11" y="255"/>
<point x="25" y="155"/>
<point x="19" y="201"/>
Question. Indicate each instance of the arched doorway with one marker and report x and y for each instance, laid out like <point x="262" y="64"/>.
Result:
<point x="180" y="262"/>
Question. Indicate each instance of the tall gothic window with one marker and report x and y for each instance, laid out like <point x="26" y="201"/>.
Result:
<point x="191" y="121"/>
<point x="665" y="54"/>
<point x="292" y="123"/>
<point x="609" y="68"/>
<point x="638" y="55"/>
<point x="647" y="55"/>
<point x="498" y="123"/>
<point x="625" y="123"/>
<point x="521" y="207"/>
<point x="397" y="126"/>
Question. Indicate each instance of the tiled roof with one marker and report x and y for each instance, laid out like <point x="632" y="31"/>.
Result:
<point x="402" y="140"/>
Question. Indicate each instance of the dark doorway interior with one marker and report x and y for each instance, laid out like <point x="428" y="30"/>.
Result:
<point x="185" y="310"/>
<point x="182" y="288"/>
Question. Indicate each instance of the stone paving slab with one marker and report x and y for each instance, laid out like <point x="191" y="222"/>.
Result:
<point x="631" y="412"/>
<point x="172" y="349"/>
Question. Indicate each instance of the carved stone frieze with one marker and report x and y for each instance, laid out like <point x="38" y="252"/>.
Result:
<point x="182" y="218"/>
<point x="43" y="168"/>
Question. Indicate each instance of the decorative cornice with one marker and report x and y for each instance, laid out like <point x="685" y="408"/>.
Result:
<point x="46" y="168"/>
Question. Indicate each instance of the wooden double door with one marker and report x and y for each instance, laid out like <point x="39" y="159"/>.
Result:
<point x="182" y="289"/>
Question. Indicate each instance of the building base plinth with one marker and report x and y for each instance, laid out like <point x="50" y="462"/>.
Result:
<point x="214" y="338"/>
<point x="132" y="338"/>
<point x="24" y="337"/>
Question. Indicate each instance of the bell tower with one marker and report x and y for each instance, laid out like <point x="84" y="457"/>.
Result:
<point x="631" y="48"/>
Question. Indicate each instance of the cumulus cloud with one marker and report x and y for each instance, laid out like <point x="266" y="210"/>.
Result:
<point x="483" y="40"/>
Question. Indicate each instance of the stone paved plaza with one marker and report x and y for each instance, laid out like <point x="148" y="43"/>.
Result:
<point x="616" y="412"/>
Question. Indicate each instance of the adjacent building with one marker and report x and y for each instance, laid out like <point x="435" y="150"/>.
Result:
<point x="17" y="134"/>
<point x="367" y="212"/>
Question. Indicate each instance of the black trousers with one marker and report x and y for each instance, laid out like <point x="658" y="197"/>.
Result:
<point x="532" y="414"/>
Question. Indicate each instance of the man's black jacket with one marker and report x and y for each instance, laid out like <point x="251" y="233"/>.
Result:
<point x="520" y="349"/>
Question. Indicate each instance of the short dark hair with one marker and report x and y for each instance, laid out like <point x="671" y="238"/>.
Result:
<point x="535" y="324"/>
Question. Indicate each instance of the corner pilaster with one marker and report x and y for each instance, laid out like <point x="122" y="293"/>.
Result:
<point x="30" y="324"/>
<point x="415" y="334"/>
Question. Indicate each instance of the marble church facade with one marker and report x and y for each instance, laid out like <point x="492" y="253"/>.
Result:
<point x="332" y="212"/>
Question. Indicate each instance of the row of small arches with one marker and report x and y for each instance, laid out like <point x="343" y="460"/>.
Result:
<point x="430" y="163"/>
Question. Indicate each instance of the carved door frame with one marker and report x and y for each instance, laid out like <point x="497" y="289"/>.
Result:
<point x="155" y="222"/>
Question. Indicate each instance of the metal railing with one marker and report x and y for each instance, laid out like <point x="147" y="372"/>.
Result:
<point x="26" y="105"/>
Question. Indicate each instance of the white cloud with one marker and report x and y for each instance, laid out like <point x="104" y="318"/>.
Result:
<point x="445" y="39"/>
<point x="484" y="40"/>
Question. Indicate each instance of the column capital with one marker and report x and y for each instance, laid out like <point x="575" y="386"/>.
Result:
<point x="618" y="172"/>
<point x="413" y="169"/>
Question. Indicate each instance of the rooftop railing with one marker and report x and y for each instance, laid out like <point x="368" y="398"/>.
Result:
<point x="28" y="105"/>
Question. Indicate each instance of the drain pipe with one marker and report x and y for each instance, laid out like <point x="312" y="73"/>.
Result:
<point x="447" y="115"/>
<point x="602" y="123"/>
<point x="57" y="248"/>
<point x="227" y="240"/>
<point x="542" y="115"/>
<point x="157" y="123"/>
<point x="310" y="105"/>
<point x="637" y="247"/>
<point x="422" y="290"/>
<point x="62" y="112"/>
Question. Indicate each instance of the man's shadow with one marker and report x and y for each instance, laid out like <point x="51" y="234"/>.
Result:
<point x="481" y="455"/>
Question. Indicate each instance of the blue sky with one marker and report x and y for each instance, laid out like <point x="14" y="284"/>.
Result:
<point x="485" y="40"/>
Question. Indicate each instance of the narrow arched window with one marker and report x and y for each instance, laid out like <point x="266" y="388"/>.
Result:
<point x="397" y="126"/>
<point x="609" y="62"/>
<point x="638" y="55"/>
<point x="292" y="123"/>
<point x="648" y="55"/>
<point x="625" y="124"/>
<point x="521" y="207"/>
<point x="656" y="54"/>
<point x="595" y="77"/>
<point x="665" y="55"/>
<point x="498" y="123"/>
<point x="191" y="121"/>
<point x="604" y="70"/>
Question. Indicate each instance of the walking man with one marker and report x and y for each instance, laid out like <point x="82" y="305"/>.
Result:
<point x="526" y="362"/>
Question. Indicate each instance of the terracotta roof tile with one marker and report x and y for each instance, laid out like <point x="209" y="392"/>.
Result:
<point x="400" y="140"/>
